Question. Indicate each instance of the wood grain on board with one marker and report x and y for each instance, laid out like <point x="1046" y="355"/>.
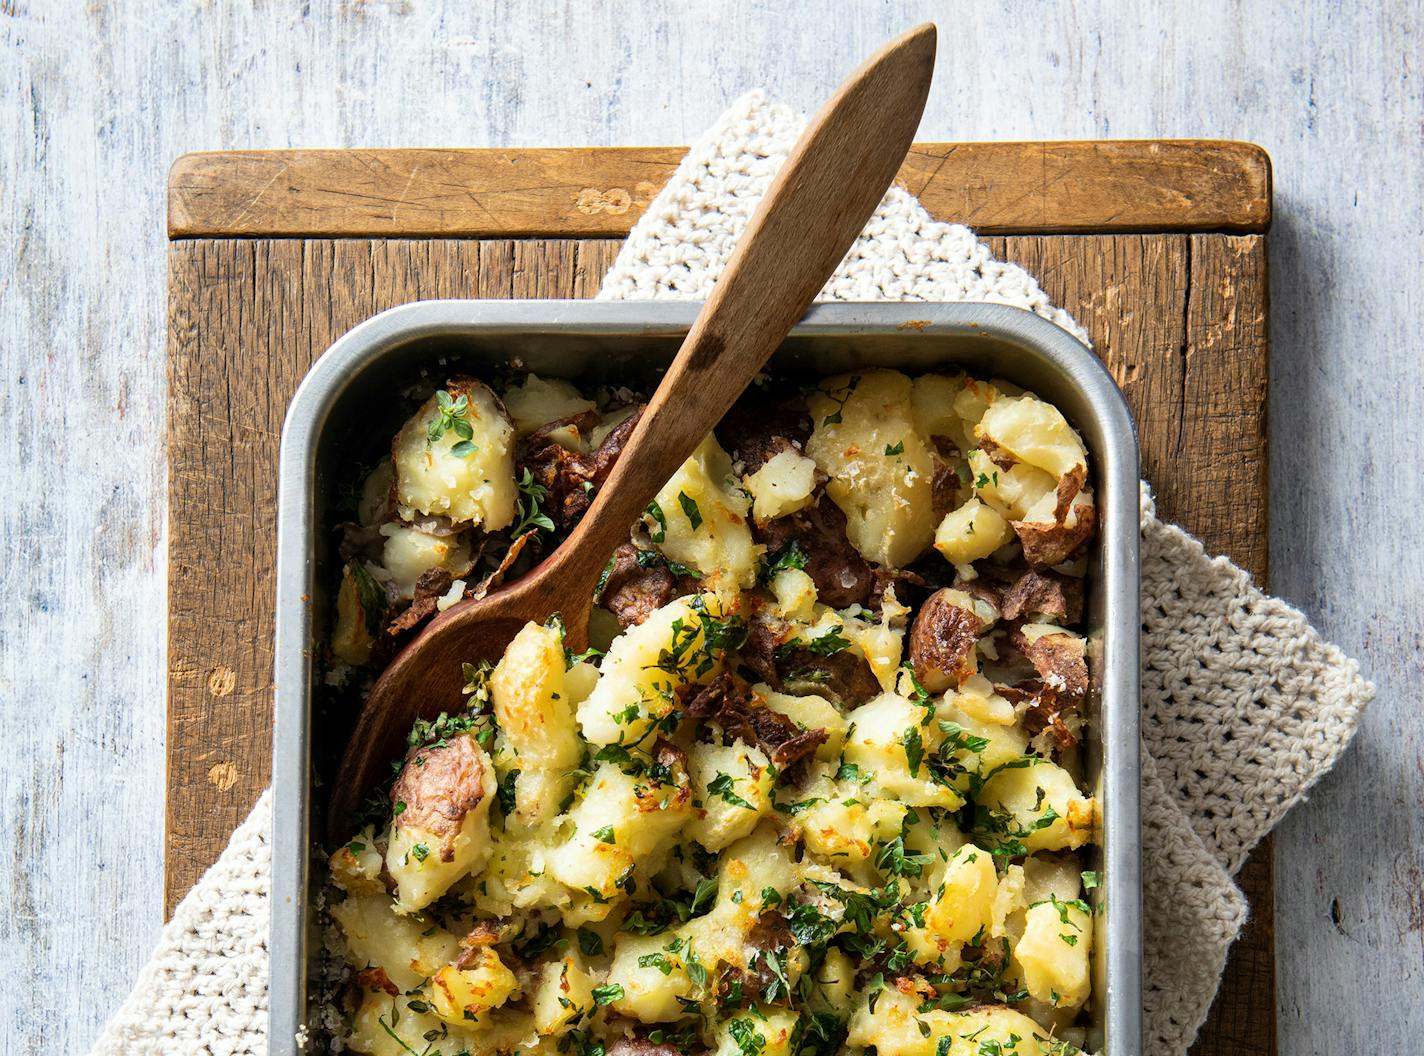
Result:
<point x="588" y="192"/>
<point x="1178" y="318"/>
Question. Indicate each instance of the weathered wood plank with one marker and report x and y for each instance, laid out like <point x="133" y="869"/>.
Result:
<point x="587" y="192"/>
<point x="1189" y="354"/>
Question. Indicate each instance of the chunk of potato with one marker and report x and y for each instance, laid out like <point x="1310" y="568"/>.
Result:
<point x="356" y="866"/>
<point x="465" y="996"/>
<point x="408" y="948"/>
<point x="1011" y="492"/>
<point x="704" y="520"/>
<point x="769" y="1032"/>
<point x="971" y="532"/>
<point x="1034" y="432"/>
<point x="563" y="996"/>
<point x="984" y="744"/>
<point x="865" y="439"/>
<point x="535" y="710"/>
<point x="731" y="792"/>
<point x="932" y="401"/>
<point x="649" y="995"/>
<point x="622" y="821"/>
<point x="1053" y="953"/>
<point x="810" y="712"/>
<point x="1028" y="793"/>
<point x="847" y="830"/>
<point x="897" y="1028"/>
<point x="781" y="486"/>
<point x="388" y="1026"/>
<point x="441" y="828"/>
<point x="646" y="666"/>
<point x="795" y="594"/>
<point x="359" y="604"/>
<point x="537" y="401"/>
<point x="889" y="743"/>
<point x="469" y="479"/>
<point x="963" y="906"/>
<point x="409" y="552"/>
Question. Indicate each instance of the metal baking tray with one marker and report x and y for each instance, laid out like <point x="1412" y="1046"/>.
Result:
<point x="347" y="404"/>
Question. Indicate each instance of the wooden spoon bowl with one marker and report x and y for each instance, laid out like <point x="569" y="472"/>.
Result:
<point x="818" y="203"/>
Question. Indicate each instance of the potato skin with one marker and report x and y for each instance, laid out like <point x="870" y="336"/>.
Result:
<point x="942" y="641"/>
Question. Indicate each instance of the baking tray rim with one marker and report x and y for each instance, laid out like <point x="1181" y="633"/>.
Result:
<point x="1116" y="475"/>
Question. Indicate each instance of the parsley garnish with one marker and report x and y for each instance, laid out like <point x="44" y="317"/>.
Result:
<point x="604" y="835"/>
<point x="606" y="995"/>
<point x="721" y="785"/>
<point x="690" y="510"/>
<point x="914" y="748"/>
<point x="834" y="418"/>
<point x="895" y="449"/>
<point x="656" y="513"/>
<point x="590" y="942"/>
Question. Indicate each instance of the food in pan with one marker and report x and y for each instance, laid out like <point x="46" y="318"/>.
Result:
<point x="816" y="791"/>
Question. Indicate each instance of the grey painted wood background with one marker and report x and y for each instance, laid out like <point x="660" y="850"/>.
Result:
<point x="96" y="99"/>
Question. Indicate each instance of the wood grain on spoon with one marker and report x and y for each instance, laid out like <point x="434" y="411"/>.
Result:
<point x="816" y="206"/>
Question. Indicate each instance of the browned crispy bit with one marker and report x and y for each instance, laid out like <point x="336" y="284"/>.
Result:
<point x="783" y="742"/>
<point x="728" y="701"/>
<point x="841" y="575"/>
<point x="802" y="746"/>
<point x="439" y="785"/>
<point x="1048" y="544"/>
<point x="483" y="933"/>
<point x="1046" y="710"/>
<point x="844" y="678"/>
<point x="636" y="1046"/>
<point x="703" y="702"/>
<point x="571" y="477"/>
<point x="758" y="650"/>
<point x="433" y="584"/>
<point x="376" y="979"/>
<point x="633" y="591"/>
<point x="942" y="641"/>
<point x="997" y="454"/>
<point x="495" y="578"/>
<point x="612" y="446"/>
<point x="1058" y="659"/>
<point x="1068" y="487"/>
<point x="760" y="426"/>
<point x="1046" y="594"/>
<point x="908" y="585"/>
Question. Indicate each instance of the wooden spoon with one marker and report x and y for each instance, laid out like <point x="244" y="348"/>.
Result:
<point x="818" y="203"/>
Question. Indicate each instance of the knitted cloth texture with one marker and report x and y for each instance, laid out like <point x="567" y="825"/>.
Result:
<point x="1244" y="706"/>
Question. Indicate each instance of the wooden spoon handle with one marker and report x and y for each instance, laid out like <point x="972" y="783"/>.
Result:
<point x="818" y="203"/>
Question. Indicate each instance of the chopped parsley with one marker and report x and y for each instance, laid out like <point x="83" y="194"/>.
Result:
<point x="606" y="995"/>
<point x="721" y="785"/>
<point x="690" y="510"/>
<point x="656" y="513"/>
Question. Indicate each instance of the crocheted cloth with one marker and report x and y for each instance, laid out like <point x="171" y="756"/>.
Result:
<point x="1223" y="664"/>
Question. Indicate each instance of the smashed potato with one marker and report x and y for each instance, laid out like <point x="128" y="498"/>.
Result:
<point x="818" y="791"/>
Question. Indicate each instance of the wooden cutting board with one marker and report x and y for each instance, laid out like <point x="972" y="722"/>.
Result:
<point x="1158" y="248"/>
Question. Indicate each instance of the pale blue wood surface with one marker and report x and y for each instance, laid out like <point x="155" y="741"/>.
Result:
<point x="98" y="98"/>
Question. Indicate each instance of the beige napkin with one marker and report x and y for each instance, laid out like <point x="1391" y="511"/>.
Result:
<point x="1223" y="664"/>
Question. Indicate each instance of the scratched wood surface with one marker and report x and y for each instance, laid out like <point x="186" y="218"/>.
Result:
<point x="1179" y="319"/>
<point x="996" y="188"/>
<point x="97" y="98"/>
